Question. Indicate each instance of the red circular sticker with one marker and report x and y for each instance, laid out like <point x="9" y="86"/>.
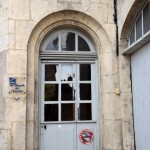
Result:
<point x="86" y="136"/>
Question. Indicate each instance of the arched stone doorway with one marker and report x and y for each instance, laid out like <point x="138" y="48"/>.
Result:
<point x="81" y="23"/>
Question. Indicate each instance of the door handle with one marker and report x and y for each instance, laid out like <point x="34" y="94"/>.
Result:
<point x="45" y="127"/>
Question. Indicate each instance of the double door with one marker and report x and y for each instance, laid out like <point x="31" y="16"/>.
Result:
<point x="140" y="66"/>
<point x="68" y="106"/>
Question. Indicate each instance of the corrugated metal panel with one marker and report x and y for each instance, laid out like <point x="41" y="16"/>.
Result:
<point x="140" y="63"/>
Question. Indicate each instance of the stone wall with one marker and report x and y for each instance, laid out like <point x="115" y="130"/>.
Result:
<point x="97" y="16"/>
<point x="3" y="25"/>
<point x="3" y="131"/>
<point x="28" y="20"/>
<point x="123" y="9"/>
<point x="3" y="69"/>
<point x="127" y="13"/>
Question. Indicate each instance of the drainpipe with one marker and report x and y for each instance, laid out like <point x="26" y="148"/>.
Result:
<point x="116" y="23"/>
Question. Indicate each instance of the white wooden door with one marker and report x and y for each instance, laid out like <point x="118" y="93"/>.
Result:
<point x="68" y="106"/>
<point x="140" y="64"/>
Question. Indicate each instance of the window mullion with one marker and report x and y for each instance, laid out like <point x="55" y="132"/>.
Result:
<point x="59" y="47"/>
<point x="59" y="99"/>
<point x="77" y="89"/>
<point x="76" y="42"/>
<point x="142" y="23"/>
<point x="43" y="91"/>
<point x="135" y="31"/>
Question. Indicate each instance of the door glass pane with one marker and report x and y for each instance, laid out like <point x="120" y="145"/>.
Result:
<point x="51" y="92"/>
<point x="51" y="112"/>
<point x="53" y="43"/>
<point x="85" y="91"/>
<point x="146" y="18"/>
<point x="67" y="41"/>
<point x="67" y="112"/>
<point x="85" y="111"/>
<point x="50" y="42"/>
<point x="85" y="72"/>
<point x="139" y="27"/>
<point x="67" y="92"/>
<point x="67" y="73"/>
<point x="82" y="44"/>
<point x="51" y="72"/>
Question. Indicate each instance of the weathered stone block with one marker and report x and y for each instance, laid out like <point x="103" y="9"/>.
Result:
<point x="109" y="83"/>
<point x="106" y="45"/>
<point x="18" y="135"/>
<point x="70" y="6"/>
<point x="109" y="64"/>
<point x="3" y="138"/>
<point x="3" y="64"/>
<point x="31" y="88"/>
<point x="44" y="8"/>
<point x="30" y="135"/>
<point x="126" y="99"/>
<point x="23" y="31"/>
<point x="125" y="81"/>
<point x="128" y="135"/>
<point x="111" y="13"/>
<point x="11" y="39"/>
<point x="95" y="1"/>
<point x="31" y="63"/>
<point x="112" y="135"/>
<point x="4" y="42"/>
<point x="11" y="27"/>
<point x="98" y="12"/>
<point x="110" y="28"/>
<point x="106" y="1"/>
<point x="2" y="109"/>
<point x="17" y="62"/>
<point x="16" y="110"/>
<point x="124" y="62"/>
<point x="111" y="106"/>
<point x="30" y="109"/>
<point x="4" y="28"/>
<point x="74" y="1"/>
<point x="3" y="10"/>
<point x="20" y="10"/>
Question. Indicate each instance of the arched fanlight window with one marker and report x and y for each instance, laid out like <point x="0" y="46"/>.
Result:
<point x="141" y="25"/>
<point x="64" y="40"/>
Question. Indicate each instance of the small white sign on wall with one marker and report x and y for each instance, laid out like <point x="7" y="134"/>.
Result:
<point x="17" y="85"/>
